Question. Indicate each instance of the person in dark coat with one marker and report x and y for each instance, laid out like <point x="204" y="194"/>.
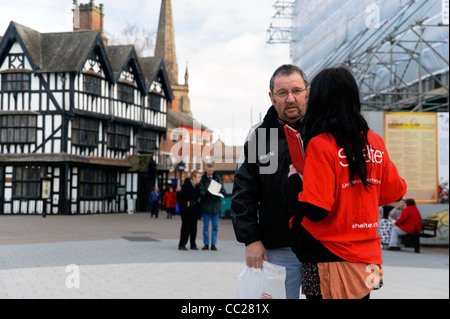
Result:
<point x="154" y="199"/>
<point x="259" y="206"/>
<point x="189" y="203"/>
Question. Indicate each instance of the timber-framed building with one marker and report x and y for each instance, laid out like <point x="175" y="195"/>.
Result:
<point x="80" y="123"/>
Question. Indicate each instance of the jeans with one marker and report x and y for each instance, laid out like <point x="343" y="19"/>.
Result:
<point x="215" y="226"/>
<point x="286" y="258"/>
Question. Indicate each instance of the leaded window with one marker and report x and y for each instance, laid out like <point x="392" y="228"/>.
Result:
<point x="18" y="129"/>
<point x="155" y="102"/>
<point x="16" y="82"/>
<point x="97" y="183"/>
<point x="125" y="93"/>
<point x="85" y="132"/>
<point x="147" y="141"/>
<point x="92" y="84"/>
<point x="119" y="137"/>
<point x="27" y="181"/>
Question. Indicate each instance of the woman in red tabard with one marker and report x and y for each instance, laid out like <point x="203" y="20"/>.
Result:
<point x="410" y="222"/>
<point x="347" y="176"/>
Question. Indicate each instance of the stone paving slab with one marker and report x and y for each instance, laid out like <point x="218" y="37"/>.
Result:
<point x="48" y="258"/>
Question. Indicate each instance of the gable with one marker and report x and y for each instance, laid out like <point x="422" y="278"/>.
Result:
<point x="20" y="48"/>
<point x="125" y="65"/>
<point x="16" y="59"/>
<point x="156" y="76"/>
<point x="94" y="65"/>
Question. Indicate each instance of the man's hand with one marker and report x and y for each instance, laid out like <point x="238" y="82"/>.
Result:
<point x="255" y="253"/>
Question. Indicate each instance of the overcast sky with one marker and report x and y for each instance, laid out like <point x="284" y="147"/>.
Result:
<point x="223" y="42"/>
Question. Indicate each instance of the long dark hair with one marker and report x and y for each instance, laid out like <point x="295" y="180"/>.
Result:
<point x="334" y="107"/>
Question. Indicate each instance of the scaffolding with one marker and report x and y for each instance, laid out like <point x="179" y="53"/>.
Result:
<point x="284" y="10"/>
<point x="397" y="50"/>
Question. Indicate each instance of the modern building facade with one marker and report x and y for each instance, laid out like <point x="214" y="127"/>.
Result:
<point x="398" y="50"/>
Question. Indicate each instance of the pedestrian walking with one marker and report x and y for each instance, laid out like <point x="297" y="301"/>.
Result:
<point x="170" y="201"/>
<point x="154" y="199"/>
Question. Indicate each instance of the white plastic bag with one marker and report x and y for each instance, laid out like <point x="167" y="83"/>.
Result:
<point x="265" y="283"/>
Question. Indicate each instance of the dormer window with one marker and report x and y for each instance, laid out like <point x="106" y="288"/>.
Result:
<point x="155" y="102"/>
<point x="92" y="84"/>
<point x="125" y="93"/>
<point x="16" y="82"/>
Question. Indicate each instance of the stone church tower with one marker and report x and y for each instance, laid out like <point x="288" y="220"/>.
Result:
<point x="165" y="49"/>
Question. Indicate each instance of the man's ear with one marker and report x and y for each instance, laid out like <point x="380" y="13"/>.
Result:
<point x="271" y="97"/>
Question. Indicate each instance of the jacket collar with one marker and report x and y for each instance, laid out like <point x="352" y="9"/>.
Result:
<point x="271" y="120"/>
<point x="205" y="176"/>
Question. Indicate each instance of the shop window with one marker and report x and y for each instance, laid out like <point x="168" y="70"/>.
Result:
<point x="27" y="181"/>
<point x="97" y="183"/>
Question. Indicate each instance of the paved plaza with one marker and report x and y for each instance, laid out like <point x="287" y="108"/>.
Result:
<point x="134" y="256"/>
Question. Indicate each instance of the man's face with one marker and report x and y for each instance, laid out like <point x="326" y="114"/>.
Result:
<point x="289" y="108"/>
<point x="196" y="179"/>
<point x="209" y="171"/>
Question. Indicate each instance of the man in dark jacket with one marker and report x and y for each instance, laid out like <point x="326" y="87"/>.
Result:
<point x="211" y="205"/>
<point x="259" y="204"/>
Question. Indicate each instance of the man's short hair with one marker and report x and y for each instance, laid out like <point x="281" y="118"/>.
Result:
<point x="287" y="69"/>
<point x="210" y="165"/>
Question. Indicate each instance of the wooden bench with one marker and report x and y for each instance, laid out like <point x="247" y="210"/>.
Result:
<point x="429" y="229"/>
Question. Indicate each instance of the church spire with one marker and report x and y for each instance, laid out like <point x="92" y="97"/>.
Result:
<point x="186" y="76"/>
<point x="165" y="41"/>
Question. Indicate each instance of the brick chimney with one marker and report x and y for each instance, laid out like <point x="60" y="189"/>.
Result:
<point x="88" y="17"/>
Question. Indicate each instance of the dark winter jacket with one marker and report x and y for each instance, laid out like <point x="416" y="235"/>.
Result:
<point x="211" y="204"/>
<point x="189" y="198"/>
<point x="259" y="203"/>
